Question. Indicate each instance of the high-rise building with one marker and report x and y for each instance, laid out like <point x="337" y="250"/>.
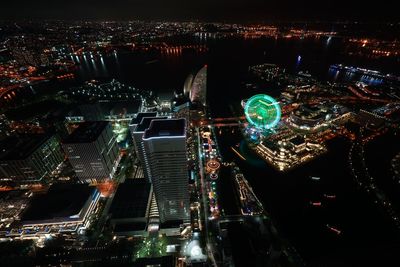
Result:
<point x="137" y="136"/>
<point x="29" y="159"/>
<point x="134" y="123"/>
<point x="166" y="159"/>
<point x="92" y="150"/>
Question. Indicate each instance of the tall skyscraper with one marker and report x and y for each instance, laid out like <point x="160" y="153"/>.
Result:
<point x="92" y="150"/>
<point x="137" y="136"/>
<point x="165" y="157"/>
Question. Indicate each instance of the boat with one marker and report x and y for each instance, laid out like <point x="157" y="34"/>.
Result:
<point x="151" y="61"/>
<point x="316" y="203"/>
<point x="333" y="229"/>
<point x="330" y="196"/>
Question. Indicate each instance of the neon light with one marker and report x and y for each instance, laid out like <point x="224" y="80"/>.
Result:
<point x="262" y="111"/>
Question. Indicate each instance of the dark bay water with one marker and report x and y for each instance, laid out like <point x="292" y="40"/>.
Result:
<point x="368" y="236"/>
<point x="228" y="59"/>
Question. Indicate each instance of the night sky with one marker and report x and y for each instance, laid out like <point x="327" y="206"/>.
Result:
<point x="211" y="10"/>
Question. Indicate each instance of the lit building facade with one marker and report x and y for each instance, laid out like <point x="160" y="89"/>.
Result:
<point x="165" y="157"/>
<point x="137" y="136"/>
<point x="93" y="151"/>
<point x="289" y="153"/>
<point x="198" y="92"/>
<point x="29" y="159"/>
<point x="56" y="212"/>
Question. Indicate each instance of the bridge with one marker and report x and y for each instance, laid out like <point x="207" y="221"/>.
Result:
<point x="224" y="122"/>
<point x="239" y="218"/>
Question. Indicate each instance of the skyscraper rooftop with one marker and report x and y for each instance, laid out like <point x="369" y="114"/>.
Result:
<point x="87" y="132"/>
<point x="142" y="115"/>
<point x="163" y="128"/>
<point x="145" y="123"/>
<point x="61" y="202"/>
<point x="21" y="146"/>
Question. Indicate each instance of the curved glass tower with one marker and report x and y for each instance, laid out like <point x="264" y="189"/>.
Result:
<point x="198" y="91"/>
<point x="187" y="86"/>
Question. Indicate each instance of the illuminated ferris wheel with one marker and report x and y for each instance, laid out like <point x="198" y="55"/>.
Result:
<point x="262" y="111"/>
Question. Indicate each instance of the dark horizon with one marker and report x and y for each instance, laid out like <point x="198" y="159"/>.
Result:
<point x="206" y="10"/>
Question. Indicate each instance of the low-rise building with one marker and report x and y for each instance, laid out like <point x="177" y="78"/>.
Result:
<point x="130" y="209"/>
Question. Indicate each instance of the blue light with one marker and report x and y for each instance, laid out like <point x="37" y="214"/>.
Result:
<point x="298" y="60"/>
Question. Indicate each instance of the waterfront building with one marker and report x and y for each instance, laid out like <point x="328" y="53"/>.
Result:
<point x="198" y="91"/>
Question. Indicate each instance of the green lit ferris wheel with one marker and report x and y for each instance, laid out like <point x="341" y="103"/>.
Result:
<point x="262" y="111"/>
